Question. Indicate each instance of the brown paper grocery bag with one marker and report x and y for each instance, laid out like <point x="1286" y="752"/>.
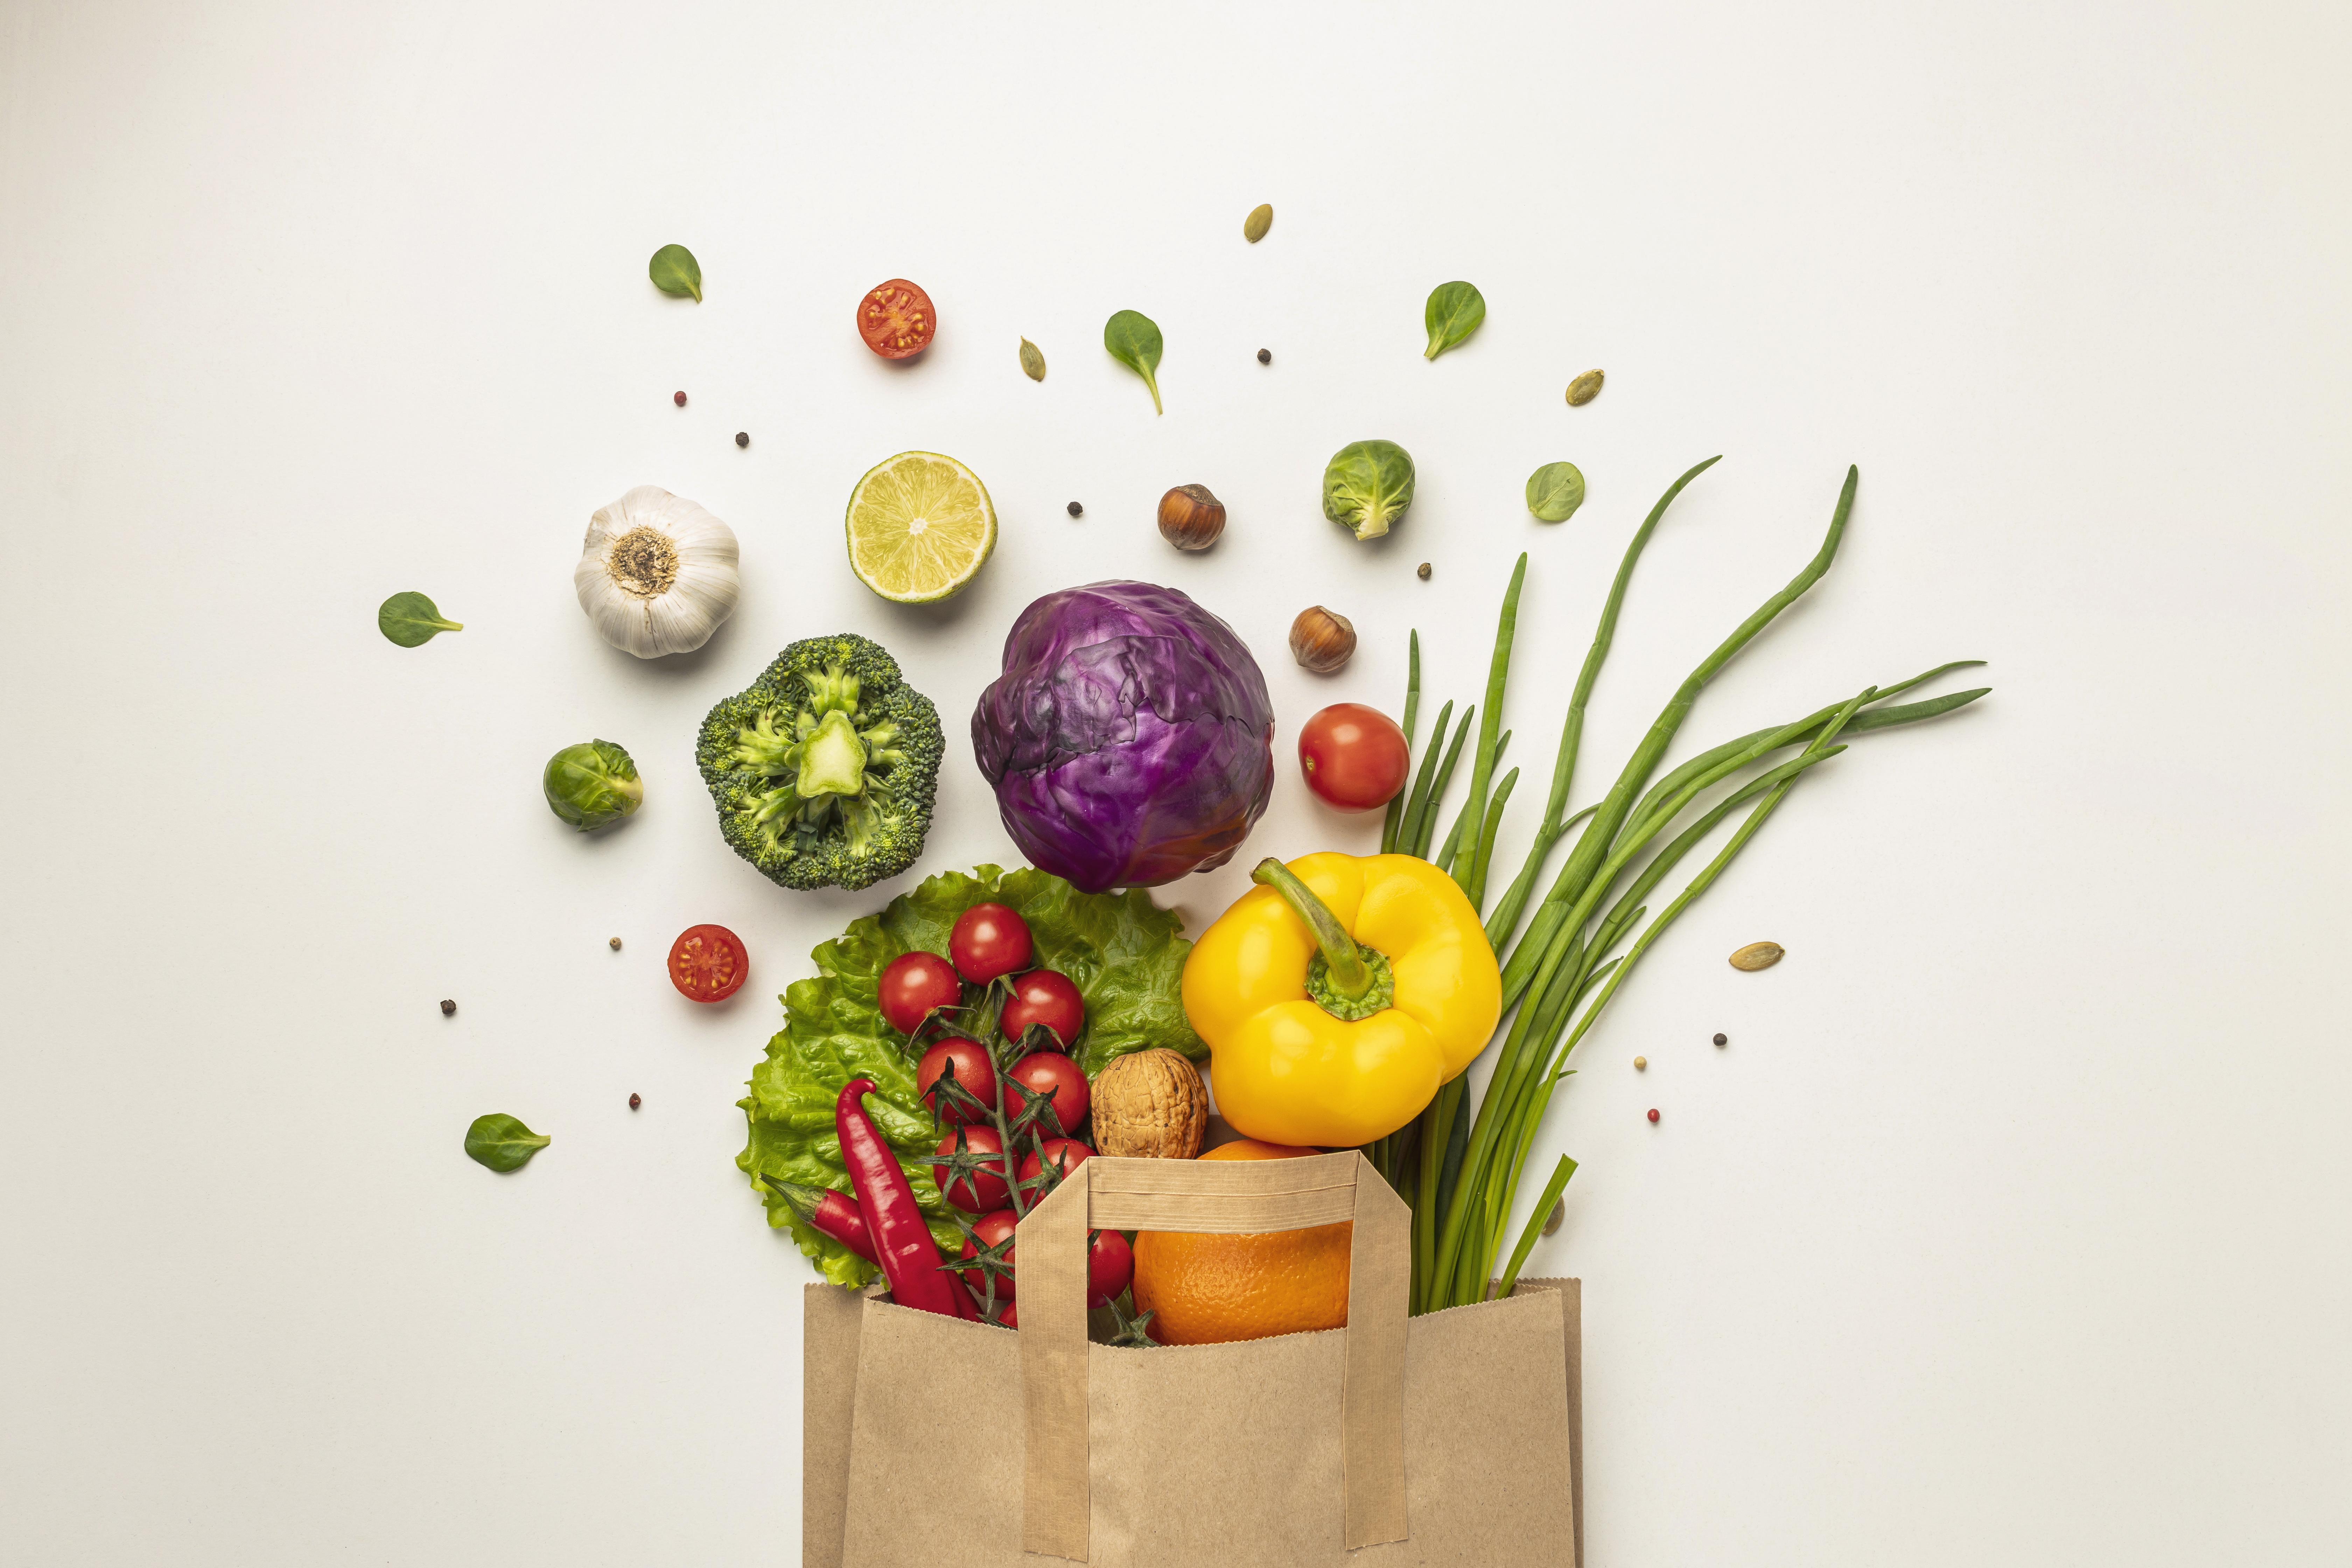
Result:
<point x="1446" y="1439"/>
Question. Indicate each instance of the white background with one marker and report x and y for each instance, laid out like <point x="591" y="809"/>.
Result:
<point x="2010" y="1226"/>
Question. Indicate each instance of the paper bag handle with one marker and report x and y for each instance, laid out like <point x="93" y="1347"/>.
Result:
<point x="1224" y="1198"/>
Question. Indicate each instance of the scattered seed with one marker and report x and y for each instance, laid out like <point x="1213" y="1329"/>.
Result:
<point x="1558" y="1217"/>
<point x="743" y="438"/>
<point x="1653" y="1116"/>
<point x="1266" y="356"/>
<point x="1077" y="511"/>
<point x="678" y="398"/>
<point x="634" y="1102"/>
<point x="1421" y="571"/>
<point x="1721" y="1041"/>
<point x="447" y="1006"/>
<point x="1758" y="955"/>
<point x="1640" y="1064"/>
<point x="1584" y="389"/>
<point x="1260" y="219"/>
<point x="1032" y="361"/>
<point x="614" y="942"/>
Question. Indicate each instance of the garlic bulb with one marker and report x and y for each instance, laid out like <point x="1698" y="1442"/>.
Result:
<point x="656" y="574"/>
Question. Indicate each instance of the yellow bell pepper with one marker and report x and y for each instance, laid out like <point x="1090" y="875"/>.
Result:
<point x="1338" y="995"/>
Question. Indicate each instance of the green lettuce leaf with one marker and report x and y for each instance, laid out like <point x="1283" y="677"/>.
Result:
<point x="1125" y="955"/>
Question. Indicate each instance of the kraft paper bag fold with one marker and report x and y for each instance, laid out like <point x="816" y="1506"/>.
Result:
<point x="1446" y="1439"/>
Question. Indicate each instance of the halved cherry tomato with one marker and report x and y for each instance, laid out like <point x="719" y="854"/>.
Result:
<point x="1044" y="996"/>
<point x="1067" y="1154"/>
<point x="708" y="964"/>
<point x="991" y="1229"/>
<point x="989" y="940"/>
<point x="895" y="319"/>
<point x="1356" y="758"/>
<point x="1110" y="1264"/>
<point x="1051" y="1072"/>
<point x="973" y="1071"/>
<point x="912" y="985"/>
<point x="984" y="1189"/>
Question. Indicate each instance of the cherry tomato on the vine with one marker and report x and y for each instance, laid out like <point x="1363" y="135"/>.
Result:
<point x="973" y="1071"/>
<point x="895" y="319"/>
<point x="1355" y="757"/>
<point x="912" y="985"/>
<point x="1110" y="1264"/>
<point x="991" y="1229"/>
<point x="1044" y="996"/>
<point x="1067" y="1154"/>
<point x="984" y="1189"/>
<point x="1051" y="1072"/>
<point x="989" y="940"/>
<point x="708" y="964"/>
<point x="1008" y="1315"/>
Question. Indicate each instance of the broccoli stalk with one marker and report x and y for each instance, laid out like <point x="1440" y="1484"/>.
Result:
<point x="825" y="769"/>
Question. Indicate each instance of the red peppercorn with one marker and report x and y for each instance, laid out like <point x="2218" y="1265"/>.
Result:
<point x="634" y="1102"/>
<point x="678" y="398"/>
<point x="1653" y="1116"/>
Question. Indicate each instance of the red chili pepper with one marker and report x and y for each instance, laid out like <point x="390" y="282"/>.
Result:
<point x="910" y="1258"/>
<point x="828" y="1213"/>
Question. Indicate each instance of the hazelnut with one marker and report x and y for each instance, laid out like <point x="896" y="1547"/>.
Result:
<point x="1191" y="517"/>
<point x="1149" y="1105"/>
<point x="1322" y="640"/>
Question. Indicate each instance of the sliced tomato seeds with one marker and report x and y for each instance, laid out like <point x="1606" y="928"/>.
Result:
<point x="895" y="319"/>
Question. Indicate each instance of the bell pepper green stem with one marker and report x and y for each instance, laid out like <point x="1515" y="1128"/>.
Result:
<point x="1351" y="976"/>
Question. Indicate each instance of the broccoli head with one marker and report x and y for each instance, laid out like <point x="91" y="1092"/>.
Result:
<point x="825" y="770"/>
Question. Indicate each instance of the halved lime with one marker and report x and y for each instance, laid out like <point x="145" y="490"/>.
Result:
<point x="920" y="527"/>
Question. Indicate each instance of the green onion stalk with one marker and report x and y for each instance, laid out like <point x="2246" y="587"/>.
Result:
<point x="1461" y="1161"/>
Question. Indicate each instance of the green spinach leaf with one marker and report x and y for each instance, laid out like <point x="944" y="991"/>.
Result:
<point x="502" y="1143"/>
<point x="1125" y="955"/>
<point x="1555" y="491"/>
<point x="412" y="620"/>
<point x="1452" y="314"/>
<point x="1133" y="340"/>
<point x="675" y="271"/>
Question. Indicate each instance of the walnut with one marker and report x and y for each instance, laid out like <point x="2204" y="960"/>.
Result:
<point x="1151" y="1105"/>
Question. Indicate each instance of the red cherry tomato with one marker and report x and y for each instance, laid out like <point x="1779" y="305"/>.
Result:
<point x="1044" y="996"/>
<point x="1051" y="1072"/>
<point x="1067" y="1154"/>
<point x="991" y="1229"/>
<point x="895" y="319"/>
<point x="973" y="1071"/>
<point x="984" y="1189"/>
<point x="912" y="985"/>
<point x="989" y="940"/>
<point x="1355" y="757"/>
<point x="1110" y="1264"/>
<point x="1009" y="1315"/>
<point x="708" y="964"/>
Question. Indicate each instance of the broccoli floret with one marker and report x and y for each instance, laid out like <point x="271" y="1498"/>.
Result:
<point x="824" y="768"/>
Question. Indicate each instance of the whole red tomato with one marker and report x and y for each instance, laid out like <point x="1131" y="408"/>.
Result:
<point x="913" y="985"/>
<point x="1110" y="1264"/>
<point x="973" y="1071"/>
<point x="989" y="940"/>
<point x="991" y="1229"/>
<point x="1048" y="997"/>
<point x="984" y="1189"/>
<point x="708" y="964"/>
<point x="1355" y="757"/>
<point x="1051" y="1072"/>
<point x="895" y="319"/>
<point x="1067" y="1154"/>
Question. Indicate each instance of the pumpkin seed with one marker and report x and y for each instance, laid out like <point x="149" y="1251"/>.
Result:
<point x="1584" y="389"/>
<point x="1260" y="219"/>
<point x="1558" y="1217"/>
<point x="1758" y="955"/>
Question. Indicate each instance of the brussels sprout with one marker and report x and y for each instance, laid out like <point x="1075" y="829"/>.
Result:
<point x="1368" y="486"/>
<point x="593" y="784"/>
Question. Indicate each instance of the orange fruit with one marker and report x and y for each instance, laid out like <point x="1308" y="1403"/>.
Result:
<point x="1209" y="1290"/>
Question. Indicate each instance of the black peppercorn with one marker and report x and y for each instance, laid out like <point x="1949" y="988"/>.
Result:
<point x="743" y="438"/>
<point x="634" y="1102"/>
<point x="1266" y="356"/>
<point x="1421" y="571"/>
<point x="1077" y="511"/>
<point x="447" y="1007"/>
<point x="1721" y="1041"/>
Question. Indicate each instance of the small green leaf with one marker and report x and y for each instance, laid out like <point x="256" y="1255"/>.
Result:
<point x="1452" y="314"/>
<point x="1555" y="491"/>
<point x="1033" y="362"/>
<point x="412" y="620"/>
<point x="1133" y="340"/>
<point x="1260" y="219"/>
<point x="675" y="271"/>
<point x="501" y="1142"/>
